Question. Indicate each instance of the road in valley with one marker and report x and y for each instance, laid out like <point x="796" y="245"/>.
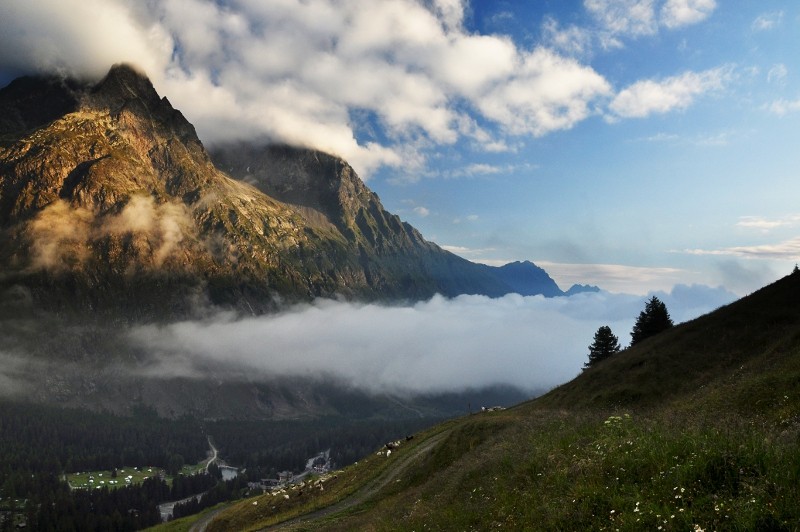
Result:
<point x="167" y="508"/>
<point x="369" y="490"/>
<point x="213" y="454"/>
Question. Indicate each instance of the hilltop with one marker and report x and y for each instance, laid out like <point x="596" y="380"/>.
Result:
<point x="697" y="428"/>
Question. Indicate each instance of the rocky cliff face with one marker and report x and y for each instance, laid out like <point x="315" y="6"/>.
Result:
<point x="105" y="190"/>
<point x="394" y="257"/>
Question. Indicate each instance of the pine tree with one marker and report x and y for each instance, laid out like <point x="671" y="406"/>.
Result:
<point x="605" y="344"/>
<point x="651" y="321"/>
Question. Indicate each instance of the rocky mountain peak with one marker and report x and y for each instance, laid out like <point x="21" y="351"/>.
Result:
<point x="124" y="84"/>
<point x="316" y="181"/>
<point x="126" y="89"/>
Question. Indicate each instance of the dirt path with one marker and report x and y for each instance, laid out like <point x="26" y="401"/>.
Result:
<point x="201" y="524"/>
<point x="369" y="490"/>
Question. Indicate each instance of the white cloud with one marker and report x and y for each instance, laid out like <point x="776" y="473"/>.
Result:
<point x="677" y="13"/>
<point x="783" y="107"/>
<point x="482" y="169"/>
<point x="548" y="93"/>
<point x="616" y="278"/>
<point x="786" y="250"/>
<point x="777" y="74"/>
<point x="765" y="224"/>
<point x="572" y="40"/>
<point x="451" y="12"/>
<point x="302" y="71"/>
<point x="465" y="251"/>
<point x="422" y="211"/>
<point x="647" y="97"/>
<point x="51" y="36"/>
<point x="624" y="17"/>
<point x="767" y="21"/>
<point x="640" y="18"/>
<point x="436" y="345"/>
<point x="297" y="71"/>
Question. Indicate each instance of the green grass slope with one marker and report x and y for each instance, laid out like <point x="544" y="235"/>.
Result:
<point x="695" y="429"/>
<point x="739" y="357"/>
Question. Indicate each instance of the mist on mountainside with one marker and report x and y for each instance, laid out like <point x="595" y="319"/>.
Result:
<point x="436" y="346"/>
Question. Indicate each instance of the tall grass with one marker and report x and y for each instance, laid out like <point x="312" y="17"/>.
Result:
<point x="555" y="471"/>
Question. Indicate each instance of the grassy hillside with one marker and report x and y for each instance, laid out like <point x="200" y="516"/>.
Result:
<point x="734" y="359"/>
<point x="697" y="428"/>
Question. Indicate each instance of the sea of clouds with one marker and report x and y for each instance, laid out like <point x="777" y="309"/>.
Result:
<point x="439" y="345"/>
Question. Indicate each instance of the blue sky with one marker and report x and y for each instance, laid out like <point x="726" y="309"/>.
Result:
<point x="699" y="194"/>
<point x="632" y="144"/>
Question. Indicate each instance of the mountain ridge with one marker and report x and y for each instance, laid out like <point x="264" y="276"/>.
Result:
<point x="106" y="185"/>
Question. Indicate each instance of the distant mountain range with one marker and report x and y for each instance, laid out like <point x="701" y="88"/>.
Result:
<point x="108" y="199"/>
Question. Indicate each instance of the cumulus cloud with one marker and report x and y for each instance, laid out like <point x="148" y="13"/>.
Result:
<point x="676" y="13"/>
<point x="52" y="36"/>
<point x="647" y="97"/>
<point x="436" y="345"/>
<point x="297" y="71"/>
<point x="549" y="92"/>
<point x="306" y="72"/>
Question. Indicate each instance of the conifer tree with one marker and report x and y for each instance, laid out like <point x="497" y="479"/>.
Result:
<point x="605" y="344"/>
<point x="651" y="321"/>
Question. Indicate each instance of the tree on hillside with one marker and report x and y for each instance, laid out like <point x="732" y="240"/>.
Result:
<point x="605" y="344"/>
<point x="651" y="321"/>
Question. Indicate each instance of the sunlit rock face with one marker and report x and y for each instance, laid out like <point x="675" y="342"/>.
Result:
<point x="109" y="201"/>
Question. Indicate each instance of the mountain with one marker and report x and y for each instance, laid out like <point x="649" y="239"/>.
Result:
<point x="581" y="289"/>
<point x="106" y="187"/>
<point x="113" y="213"/>
<point x="696" y="428"/>
<point x="526" y="278"/>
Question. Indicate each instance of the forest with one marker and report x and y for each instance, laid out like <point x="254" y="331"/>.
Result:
<point x="40" y="444"/>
